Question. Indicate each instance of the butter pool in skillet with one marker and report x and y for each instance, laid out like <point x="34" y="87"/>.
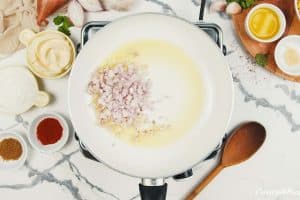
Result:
<point x="177" y="92"/>
<point x="287" y="55"/>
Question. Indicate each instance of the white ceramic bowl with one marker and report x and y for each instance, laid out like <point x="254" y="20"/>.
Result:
<point x="288" y="41"/>
<point x="14" y="164"/>
<point x="51" y="148"/>
<point x="281" y="19"/>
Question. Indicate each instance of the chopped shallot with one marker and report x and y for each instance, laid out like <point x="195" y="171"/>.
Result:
<point x="123" y="94"/>
<point x="47" y="7"/>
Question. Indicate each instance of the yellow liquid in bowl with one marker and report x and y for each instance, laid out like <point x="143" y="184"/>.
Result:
<point x="264" y="23"/>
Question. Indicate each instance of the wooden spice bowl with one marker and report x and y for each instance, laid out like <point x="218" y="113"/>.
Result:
<point x="254" y="47"/>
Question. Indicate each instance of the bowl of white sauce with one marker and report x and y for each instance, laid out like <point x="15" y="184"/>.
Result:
<point x="50" y="54"/>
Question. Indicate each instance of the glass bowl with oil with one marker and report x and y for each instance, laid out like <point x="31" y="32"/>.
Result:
<point x="265" y="23"/>
<point x="297" y="8"/>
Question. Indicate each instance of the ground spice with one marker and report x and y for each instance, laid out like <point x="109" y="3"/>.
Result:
<point x="49" y="131"/>
<point x="10" y="149"/>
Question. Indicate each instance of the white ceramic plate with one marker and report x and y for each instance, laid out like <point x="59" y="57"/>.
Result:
<point x="191" y="148"/>
<point x="51" y="147"/>
<point x="15" y="164"/>
<point x="292" y="41"/>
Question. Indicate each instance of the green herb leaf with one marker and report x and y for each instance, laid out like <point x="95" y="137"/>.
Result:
<point x="64" y="30"/>
<point x="261" y="59"/>
<point x="64" y="24"/>
<point x="67" y="23"/>
<point x="247" y="3"/>
<point x="58" y="20"/>
<point x="243" y="3"/>
<point x="229" y="1"/>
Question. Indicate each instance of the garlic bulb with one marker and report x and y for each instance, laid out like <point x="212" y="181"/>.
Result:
<point x="233" y="8"/>
<point x="218" y="6"/>
<point x="91" y="5"/>
<point x="75" y="13"/>
<point x="121" y="5"/>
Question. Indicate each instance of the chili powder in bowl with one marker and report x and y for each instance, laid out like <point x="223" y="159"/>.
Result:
<point x="48" y="132"/>
<point x="13" y="151"/>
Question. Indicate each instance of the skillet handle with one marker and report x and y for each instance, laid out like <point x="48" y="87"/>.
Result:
<point x="202" y="9"/>
<point x="153" y="192"/>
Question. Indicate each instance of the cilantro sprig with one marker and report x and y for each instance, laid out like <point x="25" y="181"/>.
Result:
<point x="63" y="23"/>
<point x="243" y="3"/>
<point x="261" y="59"/>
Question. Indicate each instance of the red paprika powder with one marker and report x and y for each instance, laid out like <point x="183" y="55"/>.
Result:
<point x="49" y="131"/>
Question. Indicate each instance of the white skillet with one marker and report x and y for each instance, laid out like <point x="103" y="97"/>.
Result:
<point x="190" y="149"/>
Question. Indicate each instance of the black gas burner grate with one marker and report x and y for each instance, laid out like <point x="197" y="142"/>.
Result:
<point x="213" y="30"/>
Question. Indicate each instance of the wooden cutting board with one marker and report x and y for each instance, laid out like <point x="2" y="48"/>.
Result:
<point x="254" y="47"/>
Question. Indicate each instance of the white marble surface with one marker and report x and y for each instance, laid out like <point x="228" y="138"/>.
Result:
<point x="273" y="173"/>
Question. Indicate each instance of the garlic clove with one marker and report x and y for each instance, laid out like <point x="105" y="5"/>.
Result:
<point x="75" y="13"/>
<point x="91" y="5"/>
<point x="233" y="8"/>
<point x="218" y="6"/>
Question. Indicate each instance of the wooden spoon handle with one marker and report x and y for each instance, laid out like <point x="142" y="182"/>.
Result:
<point x="205" y="182"/>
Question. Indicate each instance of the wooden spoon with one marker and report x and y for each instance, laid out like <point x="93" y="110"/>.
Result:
<point x="240" y="146"/>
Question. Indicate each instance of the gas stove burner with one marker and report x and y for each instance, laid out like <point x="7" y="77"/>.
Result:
<point x="213" y="30"/>
<point x="183" y="175"/>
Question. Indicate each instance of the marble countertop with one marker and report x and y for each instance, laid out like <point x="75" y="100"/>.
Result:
<point x="273" y="173"/>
